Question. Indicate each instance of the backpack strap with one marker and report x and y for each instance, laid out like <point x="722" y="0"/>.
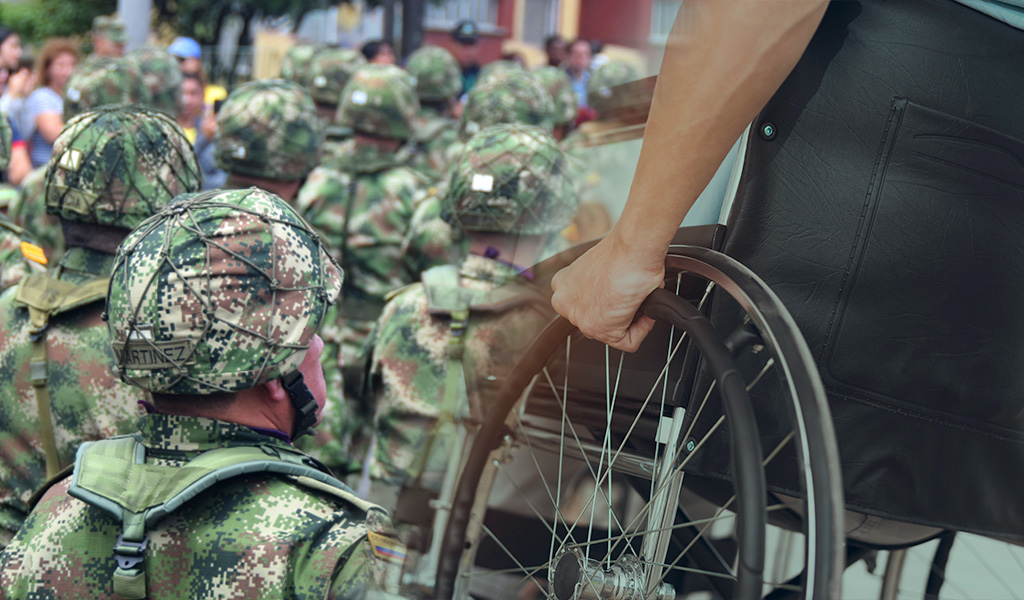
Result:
<point x="45" y="296"/>
<point x="113" y="476"/>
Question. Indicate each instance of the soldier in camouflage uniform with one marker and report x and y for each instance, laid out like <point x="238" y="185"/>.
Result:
<point x="438" y="84"/>
<point x="110" y="169"/>
<point x="295" y="65"/>
<point x="95" y="82"/>
<point x="329" y="71"/>
<point x="556" y="81"/>
<point x="362" y="203"/>
<point x="443" y="345"/>
<point x="161" y="76"/>
<point x="498" y="70"/>
<point x="268" y="136"/>
<point x="16" y="259"/>
<point x="234" y="375"/>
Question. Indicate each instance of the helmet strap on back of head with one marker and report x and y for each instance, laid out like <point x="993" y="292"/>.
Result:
<point x="302" y="401"/>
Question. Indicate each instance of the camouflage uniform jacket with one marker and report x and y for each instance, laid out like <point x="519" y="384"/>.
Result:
<point x="87" y="400"/>
<point x="410" y="363"/>
<point x="28" y="211"/>
<point x="13" y="264"/>
<point x="251" y="536"/>
<point x="434" y="137"/>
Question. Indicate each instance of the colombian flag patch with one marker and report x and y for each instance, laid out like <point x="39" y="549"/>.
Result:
<point x="387" y="548"/>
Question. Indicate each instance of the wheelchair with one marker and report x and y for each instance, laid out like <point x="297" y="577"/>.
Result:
<point x="836" y="368"/>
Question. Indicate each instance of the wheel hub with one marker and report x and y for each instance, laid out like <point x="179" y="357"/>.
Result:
<point x="575" y="577"/>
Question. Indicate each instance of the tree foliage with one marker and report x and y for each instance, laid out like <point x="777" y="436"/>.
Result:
<point x="37" y="20"/>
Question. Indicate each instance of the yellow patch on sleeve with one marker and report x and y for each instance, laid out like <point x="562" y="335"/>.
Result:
<point x="33" y="253"/>
<point x="387" y="548"/>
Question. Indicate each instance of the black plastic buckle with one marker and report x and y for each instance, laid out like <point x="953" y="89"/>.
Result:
<point x="130" y="554"/>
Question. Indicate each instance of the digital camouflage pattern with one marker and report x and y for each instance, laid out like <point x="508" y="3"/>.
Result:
<point x="295" y="65"/>
<point x="28" y="210"/>
<point x="118" y="165"/>
<point x="606" y="77"/>
<point x="432" y="147"/>
<point x="362" y="204"/>
<point x="268" y="129"/>
<point x="250" y="283"/>
<point x="329" y="70"/>
<point x="516" y="97"/>
<point x="101" y="80"/>
<point x="511" y="179"/>
<point x="251" y="537"/>
<point x="161" y="75"/>
<point x="14" y="265"/>
<point x="437" y="74"/>
<point x="380" y="100"/>
<point x="498" y="70"/>
<point x="558" y="84"/>
<point x="87" y="402"/>
<point x="110" y="27"/>
<point x="410" y="363"/>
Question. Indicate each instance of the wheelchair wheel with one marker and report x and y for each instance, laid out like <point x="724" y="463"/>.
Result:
<point x="600" y="474"/>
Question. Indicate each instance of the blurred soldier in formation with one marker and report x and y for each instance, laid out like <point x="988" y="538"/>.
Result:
<point x="295" y="65"/>
<point x="111" y="169"/>
<point x="97" y="81"/>
<point x="362" y="202"/>
<point x="329" y="71"/>
<point x="438" y="84"/>
<point x="234" y="374"/>
<point x="18" y="253"/>
<point x="443" y="346"/>
<point x="268" y="136"/>
<point x="161" y="76"/>
<point x="107" y="38"/>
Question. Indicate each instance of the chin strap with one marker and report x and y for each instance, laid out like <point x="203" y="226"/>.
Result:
<point x="303" y="402"/>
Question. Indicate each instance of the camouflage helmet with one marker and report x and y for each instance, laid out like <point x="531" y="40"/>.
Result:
<point x="6" y="135"/>
<point x="101" y="80"/>
<point x="517" y="98"/>
<point x="436" y="72"/>
<point x="161" y="75"/>
<point x="607" y="76"/>
<point x="498" y="70"/>
<point x="268" y="129"/>
<point x="218" y="292"/>
<point x="379" y="100"/>
<point x="557" y="83"/>
<point x="295" y="64"/>
<point x="329" y="71"/>
<point x="511" y="179"/>
<point x="119" y="165"/>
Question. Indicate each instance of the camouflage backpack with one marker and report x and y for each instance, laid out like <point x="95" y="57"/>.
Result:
<point x="511" y="179"/>
<point x="437" y="74"/>
<point x="329" y="71"/>
<point x="380" y="100"/>
<point x="102" y="80"/>
<point x="269" y="129"/>
<point x="161" y="75"/>
<point x="516" y="97"/>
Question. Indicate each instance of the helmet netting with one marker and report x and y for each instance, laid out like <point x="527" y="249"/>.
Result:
<point x="119" y="165"/>
<point x="219" y="292"/>
<point x="511" y="179"/>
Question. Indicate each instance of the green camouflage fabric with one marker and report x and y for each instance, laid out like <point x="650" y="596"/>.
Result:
<point x="6" y="135"/>
<point x="410" y="361"/>
<point x="268" y="129"/>
<point x="498" y="70"/>
<point x="119" y="165"/>
<point x="607" y="76"/>
<point x="250" y="282"/>
<point x="110" y="27"/>
<point x="295" y="65"/>
<point x="515" y="98"/>
<point x="379" y="100"/>
<point x="28" y="210"/>
<point x="14" y="265"/>
<point x="87" y="402"/>
<point x="101" y="80"/>
<point x="329" y="71"/>
<point x="362" y="205"/>
<point x="251" y="537"/>
<point x="511" y="179"/>
<point x="161" y="76"/>
<point x="558" y="84"/>
<point x="431" y="240"/>
<point x="437" y="74"/>
<point x="432" y="145"/>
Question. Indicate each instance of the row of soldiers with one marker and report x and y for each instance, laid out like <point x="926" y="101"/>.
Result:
<point x="362" y="209"/>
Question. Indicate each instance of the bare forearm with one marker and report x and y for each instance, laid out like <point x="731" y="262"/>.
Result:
<point x="723" y="62"/>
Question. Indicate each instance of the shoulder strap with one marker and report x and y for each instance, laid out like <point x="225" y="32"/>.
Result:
<point x="45" y="296"/>
<point x="113" y="476"/>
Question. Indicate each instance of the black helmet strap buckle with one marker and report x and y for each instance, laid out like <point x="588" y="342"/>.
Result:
<point x="302" y="401"/>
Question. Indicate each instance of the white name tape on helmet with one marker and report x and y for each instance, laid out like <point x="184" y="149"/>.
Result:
<point x="482" y="183"/>
<point x="359" y="97"/>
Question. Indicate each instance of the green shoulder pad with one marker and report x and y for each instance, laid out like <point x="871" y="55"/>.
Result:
<point x="46" y="296"/>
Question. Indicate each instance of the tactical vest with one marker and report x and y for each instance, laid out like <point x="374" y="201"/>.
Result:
<point x="112" y="475"/>
<point x="45" y="297"/>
